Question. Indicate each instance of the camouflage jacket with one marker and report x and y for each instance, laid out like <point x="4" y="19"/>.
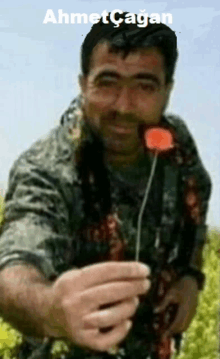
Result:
<point x="45" y="205"/>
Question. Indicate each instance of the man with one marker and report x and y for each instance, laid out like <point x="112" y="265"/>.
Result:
<point x="68" y="241"/>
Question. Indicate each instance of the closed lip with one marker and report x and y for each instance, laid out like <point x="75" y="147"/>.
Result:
<point x="121" y="129"/>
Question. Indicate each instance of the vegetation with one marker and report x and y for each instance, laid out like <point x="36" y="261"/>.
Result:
<point x="201" y="341"/>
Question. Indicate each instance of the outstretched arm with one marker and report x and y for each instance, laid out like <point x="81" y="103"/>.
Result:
<point x="196" y="189"/>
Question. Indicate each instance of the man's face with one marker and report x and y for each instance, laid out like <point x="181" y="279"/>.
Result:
<point x="122" y="94"/>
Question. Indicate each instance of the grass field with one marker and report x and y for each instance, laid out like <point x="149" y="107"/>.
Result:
<point x="201" y="341"/>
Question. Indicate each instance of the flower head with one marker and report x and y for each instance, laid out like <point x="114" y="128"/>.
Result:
<point x="158" y="139"/>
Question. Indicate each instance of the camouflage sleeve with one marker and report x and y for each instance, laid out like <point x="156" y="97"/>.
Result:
<point x="193" y="173"/>
<point x="35" y="228"/>
<point x="194" y="168"/>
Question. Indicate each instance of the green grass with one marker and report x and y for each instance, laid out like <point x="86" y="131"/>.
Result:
<point x="201" y="341"/>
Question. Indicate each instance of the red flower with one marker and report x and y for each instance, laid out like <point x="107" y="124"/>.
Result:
<point x="158" y="139"/>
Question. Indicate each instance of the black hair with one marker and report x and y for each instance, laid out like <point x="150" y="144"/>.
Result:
<point x="129" y="37"/>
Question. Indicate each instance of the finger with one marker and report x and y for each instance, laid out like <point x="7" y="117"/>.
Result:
<point x="113" y="315"/>
<point x="84" y="336"/>
<point x="109" y="293"/>
<point x="111" y="271"/>
<point x="104" y="341"/>
<point x="169" y="298"/>
<point x="178" y="324"/>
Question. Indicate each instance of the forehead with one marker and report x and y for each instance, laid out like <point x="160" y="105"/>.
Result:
<point x="148" y="60"/>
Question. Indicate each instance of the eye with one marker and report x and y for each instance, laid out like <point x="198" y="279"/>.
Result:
<point x="148" y="87"/>
<point x="107" y="82"/>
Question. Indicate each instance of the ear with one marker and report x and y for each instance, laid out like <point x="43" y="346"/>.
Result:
<point x="170" y="86"/>
<point x="168" y="91"/>
<point x="82" y="83"/>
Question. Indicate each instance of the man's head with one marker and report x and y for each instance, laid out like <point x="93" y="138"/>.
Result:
<point x="127" y="76"/>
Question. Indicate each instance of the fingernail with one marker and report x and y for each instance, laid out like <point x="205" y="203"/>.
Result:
<point x="128" y="325"/>
<point x="137" y="301"/>
<point x="146" y="284"/>
<point x="146" y="269"/>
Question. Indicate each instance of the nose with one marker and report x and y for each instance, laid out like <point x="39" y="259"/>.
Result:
<point x="123" y="103"/>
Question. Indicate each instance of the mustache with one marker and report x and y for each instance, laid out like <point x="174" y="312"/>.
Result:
<point x="117" y="117"/>
<point x="129" y="119"/>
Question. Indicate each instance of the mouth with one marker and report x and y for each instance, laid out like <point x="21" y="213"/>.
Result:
<point x="122" y="129"/>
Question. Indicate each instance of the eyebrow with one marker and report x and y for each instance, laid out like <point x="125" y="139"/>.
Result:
<point x="139" y="76"/>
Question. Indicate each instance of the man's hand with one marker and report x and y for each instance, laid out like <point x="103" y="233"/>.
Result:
<point x="96" y="297"/>
<point x="185" y="294"/>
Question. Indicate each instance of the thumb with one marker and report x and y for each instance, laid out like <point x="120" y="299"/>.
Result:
<point x="169" y="298"/>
